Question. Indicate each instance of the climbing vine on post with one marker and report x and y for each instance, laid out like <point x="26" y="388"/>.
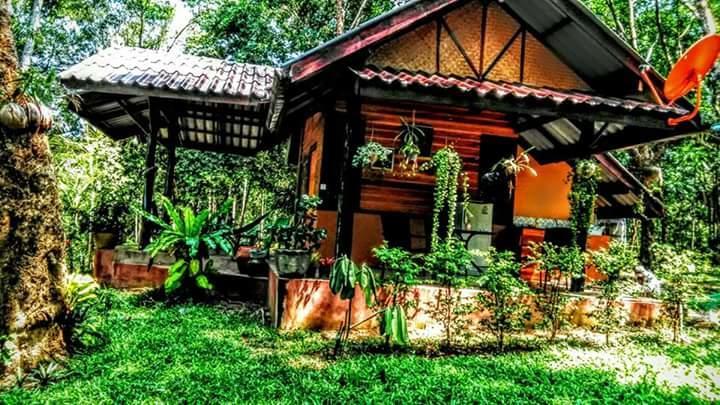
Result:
<point x="448" y="177"/>
<point x="582" y="198"/>
<point x="583" y="195"/>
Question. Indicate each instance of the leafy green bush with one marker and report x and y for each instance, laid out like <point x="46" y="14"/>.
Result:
<point x="677" y="271"/>
<point x="504" y="296"/>
<point x="402" y="271"/>
<point x="79" y="323"/>
<point x="299" y="232"/>
<point x="559" y="264"/>
<point x="190" y="238"/>
<point x="617" y="259"/>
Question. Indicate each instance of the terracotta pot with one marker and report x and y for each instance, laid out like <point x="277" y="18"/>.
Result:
<point x="243" y="253"/>
<point x="105" y="240"/>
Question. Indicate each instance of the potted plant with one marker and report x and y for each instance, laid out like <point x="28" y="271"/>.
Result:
<point x="372" y="156"/>
<point x="296" y="238"/>
<point x="106" y="224"/>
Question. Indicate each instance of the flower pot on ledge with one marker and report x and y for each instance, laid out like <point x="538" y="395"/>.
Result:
<point x="290" y="261"/>
<point x="105" y="240"/>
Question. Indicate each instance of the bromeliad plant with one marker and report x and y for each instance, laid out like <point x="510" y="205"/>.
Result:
<point x="559" y="265"/>
<point x="410" y="136"/>
<point x="503" y="295"/>
<point x="189" y="238"/>
<point x="617" y="259"/>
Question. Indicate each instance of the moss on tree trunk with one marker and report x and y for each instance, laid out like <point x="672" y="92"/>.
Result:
<point x="31" y="235"/>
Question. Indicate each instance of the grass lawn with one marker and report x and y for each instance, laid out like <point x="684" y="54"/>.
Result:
<point x="198" y="354"/>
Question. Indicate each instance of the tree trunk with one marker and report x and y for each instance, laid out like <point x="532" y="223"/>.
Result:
<point x="708" y="20"/>
<point x="31" y="237"/>
<point x="339" y="17"/>
<point x="26" y="57"/>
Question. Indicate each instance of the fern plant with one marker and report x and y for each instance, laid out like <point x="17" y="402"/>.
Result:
<point x="190" y="238"/>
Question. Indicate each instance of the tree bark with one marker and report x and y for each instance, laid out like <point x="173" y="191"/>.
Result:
<point x="31" y="236"/>
<point x="28" y="49"/>
<point x="708" y="19"/>
<point x="339" y="17"/>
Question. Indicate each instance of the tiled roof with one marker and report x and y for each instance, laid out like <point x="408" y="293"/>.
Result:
<point x="174" y="73"/>
<point x="502" y="90"/>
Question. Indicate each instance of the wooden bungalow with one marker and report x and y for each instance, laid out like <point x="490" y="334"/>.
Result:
<point x="493" y="78"/>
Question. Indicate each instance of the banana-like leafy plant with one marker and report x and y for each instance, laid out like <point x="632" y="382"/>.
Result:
<point x="190" y="238"/>
<point x="345" y="276"/>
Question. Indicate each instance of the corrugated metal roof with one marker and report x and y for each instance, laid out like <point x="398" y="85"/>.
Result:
<point x="182" y="74"/>
<point x="212" y="104"/>
<point x="501" y="90"/>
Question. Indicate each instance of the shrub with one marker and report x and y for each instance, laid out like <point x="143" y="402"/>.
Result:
<point x="79" y="325"/>
<point x="190" y="238"/>
<point x="402" y="271"/>
<point x="618" y="258"/>
<point x="677" y="271"/>
<point x="560" y="264"/>
<point x="448" y="262"/>
<point x="504" y="295"/>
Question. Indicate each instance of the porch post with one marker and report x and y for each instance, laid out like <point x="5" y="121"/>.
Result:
<point x="349" y="196"/>
<point x="150" y="172"/>
<point x="170" y="168"/>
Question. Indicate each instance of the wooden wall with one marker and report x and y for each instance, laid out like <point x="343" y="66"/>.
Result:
<point x="451" y="126"/>
<point x="312" y="151"/>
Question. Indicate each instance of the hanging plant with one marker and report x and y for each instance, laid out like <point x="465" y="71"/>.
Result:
<point x="448" y="178"/>
<point x="505" y="171"/>
<point x="372" y="155"/>
<point x="410" y="136"/>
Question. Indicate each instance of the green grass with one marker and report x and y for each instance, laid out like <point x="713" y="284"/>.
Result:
<point x="198" y="354"/>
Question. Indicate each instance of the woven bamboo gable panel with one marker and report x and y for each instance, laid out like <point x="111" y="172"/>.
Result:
<point x="410" y="51"/>
<point x="419" y="49"/>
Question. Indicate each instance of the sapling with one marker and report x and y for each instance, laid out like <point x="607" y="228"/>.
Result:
<point x="402" y="270"/>
<point x="616" y="259"/>
<point x="559" y="264"/>
<point x="677" y="271"/>
<point x="448" y="262"/>
<point x="503" y="295"/>
<point x="345" y="276"/>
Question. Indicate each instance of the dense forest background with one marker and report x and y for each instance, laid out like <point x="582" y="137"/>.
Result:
<point x="101" y="179"/>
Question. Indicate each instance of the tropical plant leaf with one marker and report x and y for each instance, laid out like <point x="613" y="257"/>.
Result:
<point x="175" y="275"/>
<point x="194" y="267"/>
<point x="203" y="282"/>
<point x="176" y="221"/>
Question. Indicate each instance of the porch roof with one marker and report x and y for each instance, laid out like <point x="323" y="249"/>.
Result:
<point x="202" y="103"/>
<point x="558" y="124"/>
